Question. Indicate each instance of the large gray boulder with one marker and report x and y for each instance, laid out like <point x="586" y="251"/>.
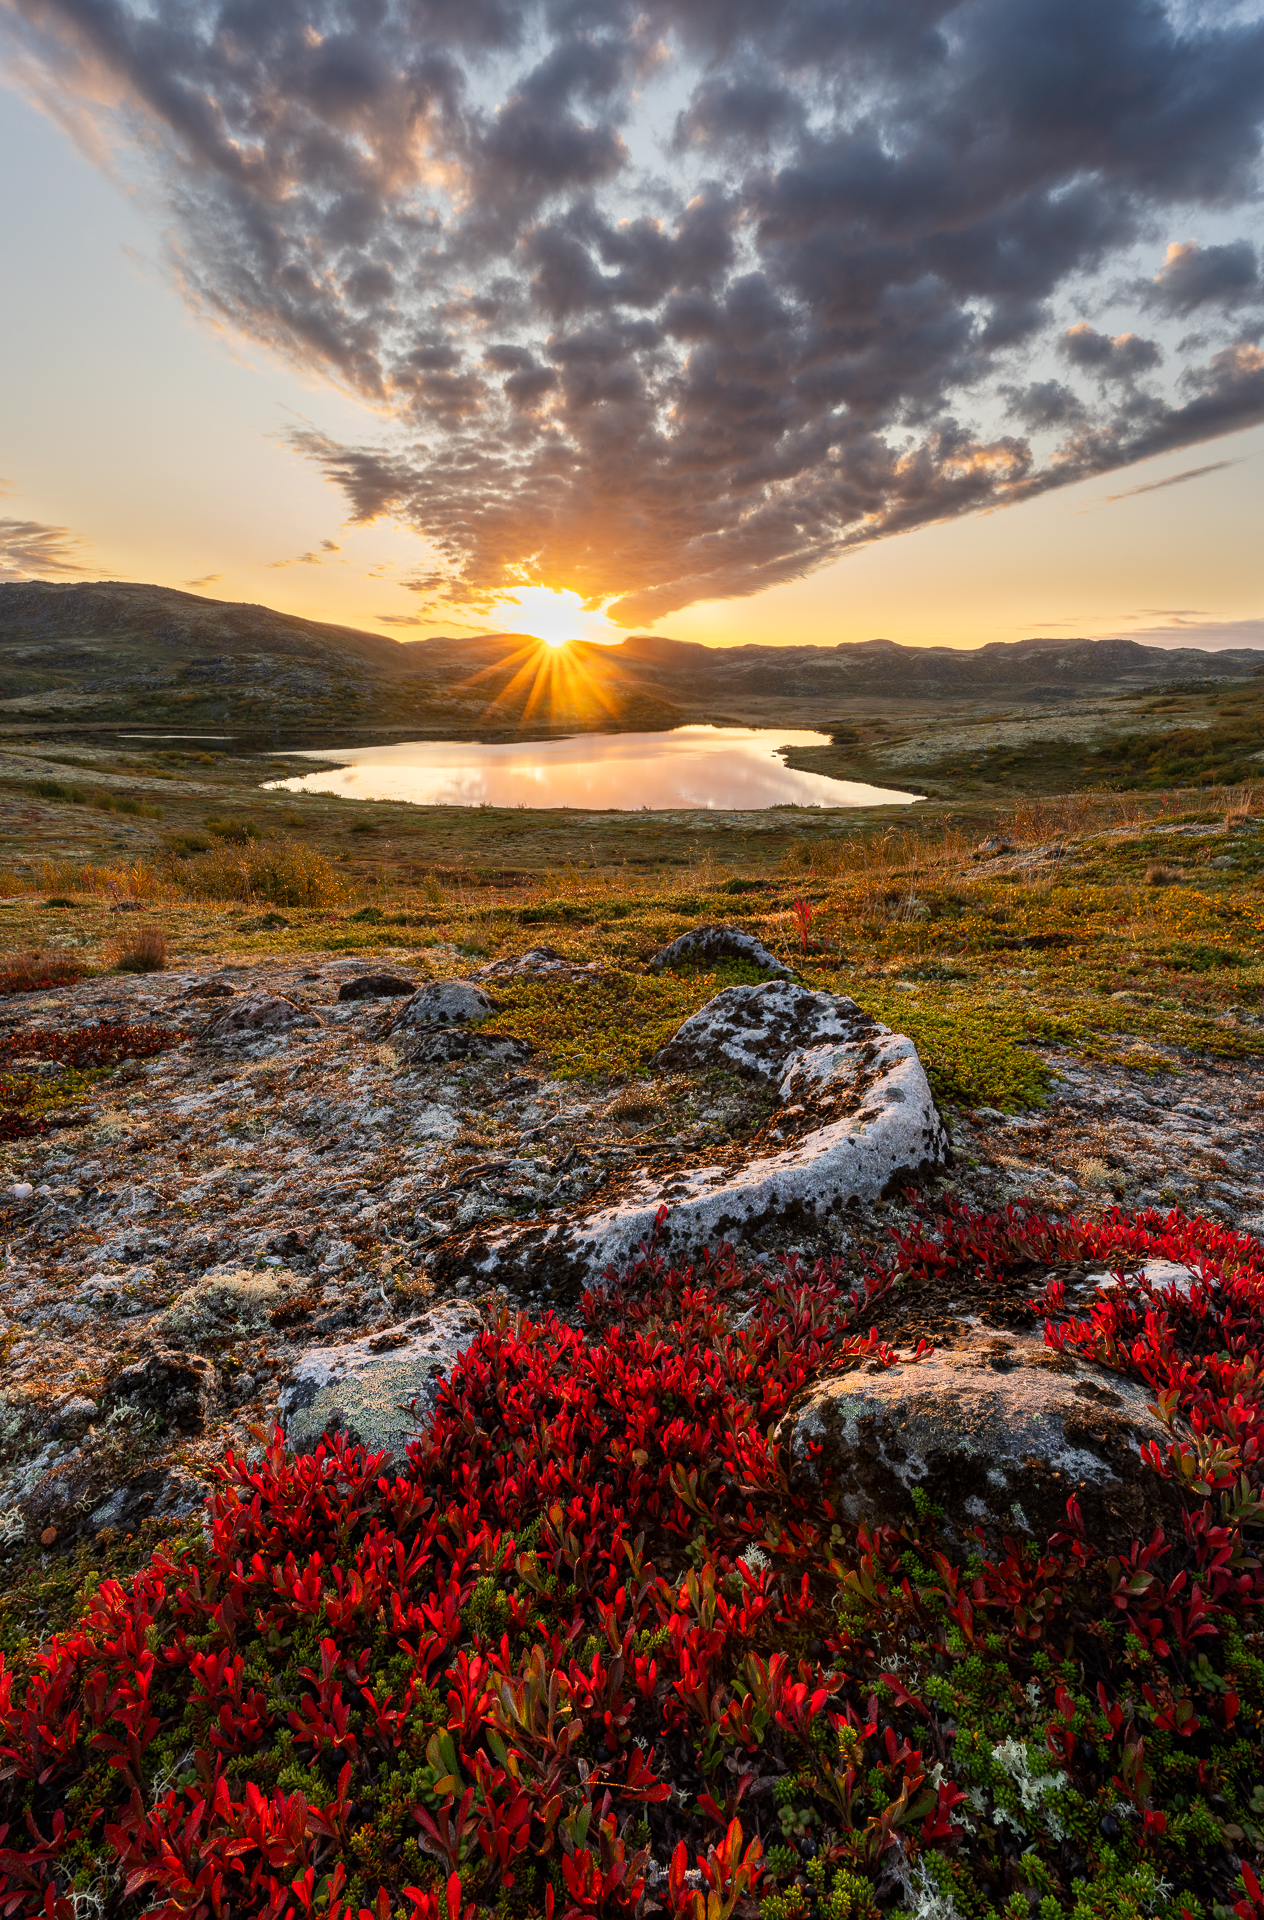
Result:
<point x="377" y="1390"/>
<point x="445" y="1003"/>
<point x="754" y="1030"/>
<point x="718" y="943"/>
<point x="1001" y="1431"/>
<point x="857" y="1119"/>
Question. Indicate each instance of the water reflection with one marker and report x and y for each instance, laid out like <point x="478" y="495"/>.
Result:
<point x="688" y="767"/>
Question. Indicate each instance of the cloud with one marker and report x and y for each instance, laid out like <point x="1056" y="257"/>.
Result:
<point x="1194" y="276"/>
<point x="204" y="580"/>
<point x="1175" y="479"/>
<point x="308" y="559"/>
<point x="32" y="551"/>
<point x="668" y="300"/>
<point x="1122" y="358"/>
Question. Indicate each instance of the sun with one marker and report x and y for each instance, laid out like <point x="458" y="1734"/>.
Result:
<point x="552" y="614"/>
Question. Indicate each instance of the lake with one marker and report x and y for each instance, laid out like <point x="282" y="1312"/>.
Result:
<point x="724" y="767"/>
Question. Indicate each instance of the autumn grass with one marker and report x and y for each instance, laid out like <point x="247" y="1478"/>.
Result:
<point x="1094" y="932"/>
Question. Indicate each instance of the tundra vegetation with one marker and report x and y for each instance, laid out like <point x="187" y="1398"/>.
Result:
<point x="595" y="1647"/>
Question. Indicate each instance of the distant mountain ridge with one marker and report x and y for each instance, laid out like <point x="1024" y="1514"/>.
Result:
<point x="112" y="649"/>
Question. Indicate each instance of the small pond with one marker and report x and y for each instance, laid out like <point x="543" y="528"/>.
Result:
<point x="725" y="767"/>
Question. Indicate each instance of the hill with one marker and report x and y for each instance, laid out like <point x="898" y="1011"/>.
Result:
<point x="108" y="652"/>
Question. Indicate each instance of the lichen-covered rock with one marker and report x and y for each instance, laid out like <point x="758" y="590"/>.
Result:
<point x="859" y="1119"/>
<point x="439" y="1045"/>
<point x="377" y="986"/>
<point x="377" y="1390"/>
<point x="719" y="943"/>
<point x="226" y="1304"/>
<point x="170" y="1387"/>
<point x="1002" y="1432"/>
<point x="259" y="1013"/>
<point x="754" y="1030"/>
<point x="538" y="963"/>
<point x="445" y="1003"/>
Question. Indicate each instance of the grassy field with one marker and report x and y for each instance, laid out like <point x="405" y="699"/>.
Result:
<point x="1119" y="925"/>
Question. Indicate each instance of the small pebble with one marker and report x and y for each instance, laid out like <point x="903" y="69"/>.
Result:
<point x="48" y="1536"/>
<point x="23" y="1190"/>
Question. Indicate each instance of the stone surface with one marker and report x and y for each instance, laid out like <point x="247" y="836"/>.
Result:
<point x="379" y="1389"/>
<point x="537" y="963"/>
<point x="211" y="990"/>
<point x="259" y="1013"/>
<point x="857" y="1118"/>
<point x="439" y="1045"/>
<point x="445" y="1003"/>
<point x="175" y="1388"/>
<point x="377" y="986"/>
<point x="718" y="943"/>
<point x="1001" y="1431"/>
<point x="754" y="1030"/>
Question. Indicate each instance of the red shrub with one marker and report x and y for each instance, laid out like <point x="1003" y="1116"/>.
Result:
<point x="472" y="1682"/>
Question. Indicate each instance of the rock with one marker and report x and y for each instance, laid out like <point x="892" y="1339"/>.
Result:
<point x="537" y="963"/>
<point x="754" y="1030"/>
<point x="1001" y="1431"/>
<point x="444" y="1003"/>
<point x="987" y="848"/>
<point x="443" y="1044"/>
<point x="175" y="1388"/>
<point x="719" y="943"/>
<point x="211" y="990"/>
<point x="258" y="1013"/>
<point x="288" y="1244"/>
<point x="857" y="1119"/>
<point x="368" y="1388"/>
<point x="150" y="1494"/>
<point x="74" y="1415"/>
<point x="377" y="986"/>
<point x="226" y="1304"/>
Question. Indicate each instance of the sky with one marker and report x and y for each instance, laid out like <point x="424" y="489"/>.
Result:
<point x="812" y="323"/>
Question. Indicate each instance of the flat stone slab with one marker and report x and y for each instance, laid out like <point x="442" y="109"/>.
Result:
<point x="538" y="963"/>
<point x="718" y="943"/>
<point x="258" y="1013"/>
<point x="437" y="1046"/>
<point x="445" y="1003"/>
<point x="377" y="1390"/>
<point x="1001" y="1432"/>
<point x="857" y="1118"/>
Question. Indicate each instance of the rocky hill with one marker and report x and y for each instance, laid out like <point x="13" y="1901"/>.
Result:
<point x="104" y="652"/>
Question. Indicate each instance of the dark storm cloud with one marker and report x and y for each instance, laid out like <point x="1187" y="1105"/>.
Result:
<point x="828" y="281"/>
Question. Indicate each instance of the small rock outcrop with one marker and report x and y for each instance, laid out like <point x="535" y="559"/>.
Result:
<point x="259" y="1013"/>
<point x="377" y="986"/>
<point x="378" y="1390"/>
<point x="445" y="1003"/>
<point x="718" y="943"/>
<point x="754" y="1030"/>
<point x="1002" y="1432"/>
